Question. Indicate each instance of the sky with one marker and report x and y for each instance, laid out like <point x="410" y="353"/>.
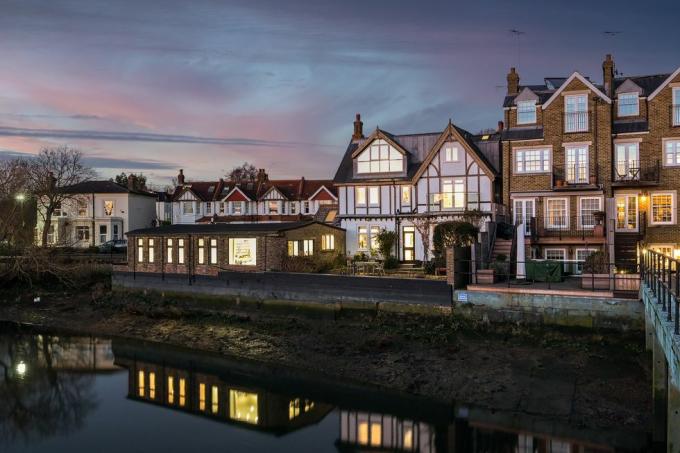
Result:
<point x="203" y="85"/>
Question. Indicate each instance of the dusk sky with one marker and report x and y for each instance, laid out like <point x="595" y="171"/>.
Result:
<point x="154" y="86"/>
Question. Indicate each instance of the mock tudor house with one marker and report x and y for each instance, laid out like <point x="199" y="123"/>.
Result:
<point x="574" y="150"/>
<point x="97" y="212"/>
<point x="393" y="182"/>
<point x="253" y="200"/>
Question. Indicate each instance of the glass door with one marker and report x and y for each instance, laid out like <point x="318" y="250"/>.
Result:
<point x="409" y="243"/>
<point x="627" y="162"/>
<point x="523" y="212"/>
<point x="577" y="165"/>
<point x="627" y="213"/>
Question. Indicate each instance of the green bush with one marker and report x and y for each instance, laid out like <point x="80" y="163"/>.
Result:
<point x="386" y="240"/>
<point x="391" y="263"/>
<point x="318" y="263"/>
<point x="360" y="257"/>
<point x="454" y="234"/>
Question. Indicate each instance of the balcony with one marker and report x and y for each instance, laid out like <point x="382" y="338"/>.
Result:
<point x="583" y="227"/>
<point x="576" y="122"/>
<point x="571" y="177"/>
<point x="458" y="201"/>
<point x="675" y="115"/>
<point x="632" y="173"/>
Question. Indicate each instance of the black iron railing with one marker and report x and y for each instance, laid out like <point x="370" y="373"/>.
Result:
<point x="635" y="171"/>
<point x="564" y="226"/>
<point x="570" y="175"/>
<point x="661" y="275"/>
<point x="576" y="122"/>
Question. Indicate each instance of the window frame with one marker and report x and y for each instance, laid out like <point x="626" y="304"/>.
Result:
<point x="362" y="230"/>
<point x="200" y="245"/>
<point x="523" y="161"/>
<point x="168" y="250"/>
<point x="371" y="157"/>
<point x="360" y="196"/>
<point x="293" y="248"/>
<point x="449" y="155"/>
<point x="307" y="247"/>
<point x="578" y="162"/>
<point x="676" y="152"/>
<point x="580" y="263"/>
<point x="533" y="111"/>
<point x="151" y="249"/>
<point x="327" y="242"/>
<point x="140" y="250"/>
<point x="213" y="251"/>
<point x="180" y="251"/>
<point x="406" y="200"/>
<point x="580" y="210"/>
<point x="550" y="226"/>
<point x="232" y="259"/>
<point x="555" y="249"/>
<point x="637" y="104"/>
<point x="673" y="208"/>
<point x="109" y="213"/>
<point x="374" y="192"/>
<point x="188" y="204"/>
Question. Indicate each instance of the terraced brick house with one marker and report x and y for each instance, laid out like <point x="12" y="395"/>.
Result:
<point x="253" y="200"/>
<point x="408" y="183"/>
<point x="575" y="150"/>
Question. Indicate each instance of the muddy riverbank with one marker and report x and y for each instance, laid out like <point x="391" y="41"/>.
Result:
<point x="592" y="379"/>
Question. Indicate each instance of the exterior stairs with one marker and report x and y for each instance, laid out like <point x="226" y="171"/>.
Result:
<point x="409" y="270"/>
<point x="625" y="245"/>
<point x="502" y="247"/>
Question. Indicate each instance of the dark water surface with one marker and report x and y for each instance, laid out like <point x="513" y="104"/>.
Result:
<point x="70" y="394"/>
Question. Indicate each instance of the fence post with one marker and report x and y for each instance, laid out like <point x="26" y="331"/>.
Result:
<point x="669" y="287"/>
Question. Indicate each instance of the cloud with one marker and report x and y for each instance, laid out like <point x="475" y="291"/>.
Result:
<point x="105" y="162"/>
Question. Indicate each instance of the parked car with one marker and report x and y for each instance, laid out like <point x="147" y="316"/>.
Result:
<point x="115" y="245"/>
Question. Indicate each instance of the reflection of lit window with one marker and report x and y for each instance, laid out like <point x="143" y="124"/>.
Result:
<point x="376" y="434"/>
<point x="243" y="406"/>
<point x="374" y="438"/>
<point x="171" y="390"/>
<point x="293" y="248"/>
<point x="180" y="251"/>
<point x="140" y="383"/>
<point x="243" y="251"/>
<point x="151" y="254"/>
<point x="213" y="251"/>
<point x="201" y="251"/>
<point x="182" y="391"/>
<point x="201" y="397"/>
<point x="108" y="208"/>
<point x="408" y="438"/>
<point x="152" y="385"/>
<point x="215" y="399"/>
<point x="295" y="407"/>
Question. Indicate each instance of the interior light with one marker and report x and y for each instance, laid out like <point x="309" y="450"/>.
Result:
<point x="21" y="368"/>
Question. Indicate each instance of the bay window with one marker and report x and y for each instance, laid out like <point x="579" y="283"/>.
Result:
<point x="526" y="112"/>
<point x="532" y="161"/>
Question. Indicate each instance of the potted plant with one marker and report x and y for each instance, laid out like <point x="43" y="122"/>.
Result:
<point x="596" y="271"/>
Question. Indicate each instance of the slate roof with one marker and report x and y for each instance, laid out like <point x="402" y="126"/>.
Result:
<point x="648" y="83"/>
<point x="102" y="186"/>
<point x="418" y="146"/>
<point x="624" y="127"/>
<point x="293" y="189"/>
<point x="225" y="228"/>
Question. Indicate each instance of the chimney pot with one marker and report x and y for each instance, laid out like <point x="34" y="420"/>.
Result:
<point x="180" y="177"/>
<point x="358" y="128"/>
<point x="608" y="75"/>
<point x="501" y="126"/>
<point x="131" y="181"/>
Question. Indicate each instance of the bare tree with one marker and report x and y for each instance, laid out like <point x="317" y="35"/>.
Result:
<point x="242" y="172"/>
<point x="423" y="225"/>
<point x="13" y="195"/>
<point x="49" y="173"/>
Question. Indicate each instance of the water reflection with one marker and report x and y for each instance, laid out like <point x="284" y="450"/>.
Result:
<point x="47" y="392"/>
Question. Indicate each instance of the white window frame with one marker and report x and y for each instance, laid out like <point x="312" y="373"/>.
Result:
<point x="580" y="211"/>
<point x="673" y="208"/>
<point x="307" y="247"/>
<point x="85" y="237"/>
<point x="275" y="204"/>
<point x="675" y="143"/>
<point x="201" y="250"/>
<point x="579" y="263"/>
<point x="578" y="162"/>
<point x="578" y="122"/>
<point x="531" y="114"/>
<point x="293" y="248"/>
<point x="168" y="253"/>
<point x="374" y="196"/>
<point x="406" y="200"/>
<point x="548" y="225"/>
<point x="233" y="259"/>
<point x="675" y="120"/>
<point x="293" y="207"/>
<point x="104" y="235"/>
<point x="554" y="249"/>
<point x="213" y="251"/>
<point x="360" y="196"/>
<point x="187" y="208"/>
<point x="113" y="207"/>
<point x="140" y="250"/>
<point x="658" y="248"/>
<point x="362" y="230"/>
<point x="637" y="104"/>
<point x="180" y="251"/>
<point x="451" y="153"/>
<point x="208" y="208"/>
<point x="520" y="158"/>
<point x="151" y="249"/>
<point x="372" y="160"/>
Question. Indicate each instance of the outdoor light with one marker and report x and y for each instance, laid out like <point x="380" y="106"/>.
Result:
<point x="21" y="368"/>
<point x="20" y="197"/>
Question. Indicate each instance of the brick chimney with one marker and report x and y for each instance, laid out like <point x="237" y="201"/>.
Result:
<point x="501" y="126"/>
<point x="358" y="128"/>
<point x="130" y="182"/>
<point x="180" y="177"/>
<point x="262" y="176"/>
<point x="513" y="82"/>
<point x="608" y="75"/>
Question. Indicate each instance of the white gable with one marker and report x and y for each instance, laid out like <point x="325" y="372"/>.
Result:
<point x="380" y="157"/>
<point x="629" y="87"/>
<point x="188" y="196"/>
<point x="273" y="194"/>
<point x="526" y="95"/>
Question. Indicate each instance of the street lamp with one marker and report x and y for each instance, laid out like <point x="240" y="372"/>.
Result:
<point x="20" y="197"/>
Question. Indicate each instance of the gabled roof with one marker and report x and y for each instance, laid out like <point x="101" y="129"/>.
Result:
<point x="102" y="186"/>
<point x="291" y="189"/>
<point x="380" y="134"/>
<point x="664" y="83"/>
<point x="236" y="189"/>
<point x="576" y="76"/>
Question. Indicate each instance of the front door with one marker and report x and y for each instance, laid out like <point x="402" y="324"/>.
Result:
<point x="627" y="213"/>
<point x="523" y="212"/>
<point x="409" y="243"/>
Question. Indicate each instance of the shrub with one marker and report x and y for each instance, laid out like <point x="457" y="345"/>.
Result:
<point x="360" y="257"/>
<point x="596" y="263"/>
<point x="386" y="240"/>
<point x="502" y="257"/>
<point x="391" y="263"/>
<point x="318" y="263"/>
<point x="454" y="234"/>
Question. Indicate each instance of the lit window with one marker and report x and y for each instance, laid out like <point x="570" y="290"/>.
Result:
<point x="532" y="161"/>
<point x="577" y="164"/>
<point x="293" y="248"/>
<point x="180" y="251"/>
<point x="672" y="152"/>
<point x="408" y="438"/>
<point x="243" y="406"/>
<point x="151" y="250"/>
<point x="201" y="251"/>
<point x="169" y="251"/>
<point x="360" y="196"/>
<point x="213" y="251"/>
<point x="453" y="194"/>
<point x="663" y="208"/>
<point x="374" y="196"/>
<point x="188" y="207"/>
<point x="141" y="383"/>
<point x="152" y="385"/>
<point x="405" y="195"/>
<point x="676" y="106"/>
<point x="372" y="437"/>
<point x="555" y="254"/>
<point x="375" y="231"/>
<point x="171" y="390"/>
<point x="587" y="208"/>
<point x="108" y="208"/>
<point x="327" y="242"/>
<point x="380" y="157"/>
<point x="243" y="251"/>
<point x="182" y="392"/>
<point x="362" y="236"/>
<point x="201" y="397"/>
<point x="215" y="399"/>
<point x="140" y="250"/>
<point x="628" y="104"/>
<point x="450" y="154"/>
<point x="308" y="247"/>
<point x="556" y="213"/>
<point x="273" y="207"/>
<point x="526" y="112"/>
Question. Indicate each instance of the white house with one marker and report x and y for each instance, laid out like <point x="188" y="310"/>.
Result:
<point x="390" y="182"/>
<point x="96" y="212"/>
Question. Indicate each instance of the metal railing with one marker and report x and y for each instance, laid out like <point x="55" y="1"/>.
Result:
<point x="635" y="171"/>
<point x="661" y="275"/>
<point x="563" y="226"/>
<point x="570" y="174"/>
<point x="576" y="122"/>
<point x="458" y="201"/>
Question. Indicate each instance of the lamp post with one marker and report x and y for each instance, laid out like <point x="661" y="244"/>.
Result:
<point x="20" y="197"/>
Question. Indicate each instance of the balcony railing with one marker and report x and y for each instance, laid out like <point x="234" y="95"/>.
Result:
<point x="564" y="226"/>
<point x="675" y="115"/>
<point x="570" y="175"/>
<point x="636" y="172"/>
<point x="457" y="201"/>
<point x="576" y="122"/>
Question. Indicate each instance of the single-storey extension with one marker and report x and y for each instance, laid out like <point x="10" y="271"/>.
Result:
<point x="205" y="249"/>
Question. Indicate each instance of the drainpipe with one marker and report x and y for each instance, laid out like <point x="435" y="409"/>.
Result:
<point x="93" y="221"/>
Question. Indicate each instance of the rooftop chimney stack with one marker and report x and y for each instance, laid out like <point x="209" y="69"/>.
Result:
<point x="180" y="177"/>
<point x="501" y="126"/>
<point x="513" y="82"/>
<point x="130" y="182"/>
<point x="608" y="75"/>
<point x="262" y="175"/>
<point x="358" y="128"/>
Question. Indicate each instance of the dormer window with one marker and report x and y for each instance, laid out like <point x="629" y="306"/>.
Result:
<point x="526" y="112"/>
<point x="380" y="157"/>
<point x="628" y="104"/>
